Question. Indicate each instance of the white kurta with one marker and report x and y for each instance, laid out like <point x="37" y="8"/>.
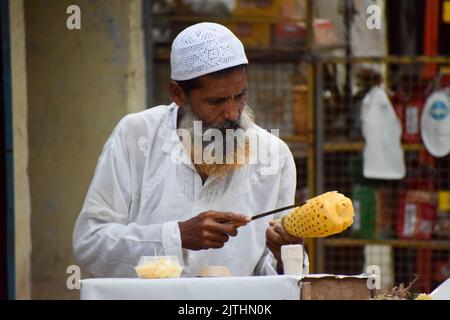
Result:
<point x="139" y="194"/>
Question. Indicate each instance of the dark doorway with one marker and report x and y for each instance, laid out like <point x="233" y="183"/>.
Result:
<point x="3" y="266"/>
<point x="406" y="38"/>
<point x="6" y="214"/>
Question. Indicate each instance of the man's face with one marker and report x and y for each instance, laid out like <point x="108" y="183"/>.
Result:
<point x="220" y="103"/>
<point x="220" y="100"/>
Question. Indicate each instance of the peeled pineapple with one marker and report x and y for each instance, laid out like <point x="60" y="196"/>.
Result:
<point x="160" y="267"/>
<point x="424" y="296"/>
<point x="324" y="215"/>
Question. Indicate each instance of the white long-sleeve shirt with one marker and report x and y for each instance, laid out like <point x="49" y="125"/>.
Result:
<point x="139" y="194"/>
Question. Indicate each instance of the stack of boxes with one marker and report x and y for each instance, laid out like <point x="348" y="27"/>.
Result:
<point x="282" y="23"/>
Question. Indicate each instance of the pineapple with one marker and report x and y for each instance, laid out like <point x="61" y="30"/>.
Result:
<point x="321" y="216"/>
<point x="160" y="268"/>
<point x="424" y="296"/>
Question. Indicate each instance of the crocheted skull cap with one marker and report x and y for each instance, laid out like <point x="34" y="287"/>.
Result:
<point x="204" y="48"/>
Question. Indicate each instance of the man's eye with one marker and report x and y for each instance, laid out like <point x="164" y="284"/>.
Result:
<point x="240" y="96"/>
<point x="219" y="101"/>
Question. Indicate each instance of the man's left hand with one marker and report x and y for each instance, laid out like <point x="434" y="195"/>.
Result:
<point x="276" y="237"/>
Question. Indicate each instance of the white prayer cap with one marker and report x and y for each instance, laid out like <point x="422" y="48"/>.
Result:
<point x="205" y="48"/>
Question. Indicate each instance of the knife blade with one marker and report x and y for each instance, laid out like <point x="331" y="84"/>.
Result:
<point x="276" y="211"/>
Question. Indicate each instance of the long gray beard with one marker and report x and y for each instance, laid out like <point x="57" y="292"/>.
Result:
<point x="245" y="122"/>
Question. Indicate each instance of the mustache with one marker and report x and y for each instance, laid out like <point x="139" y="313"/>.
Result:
<point x="233" y="125"/>
<point x="188" y="116"/>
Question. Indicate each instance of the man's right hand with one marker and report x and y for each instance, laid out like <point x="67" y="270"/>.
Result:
<point x="210" y="229"/>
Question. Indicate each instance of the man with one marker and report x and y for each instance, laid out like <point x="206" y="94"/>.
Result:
<point x="150" y="196"/>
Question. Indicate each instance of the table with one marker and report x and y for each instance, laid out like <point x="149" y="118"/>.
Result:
<point x="279" y="287"/>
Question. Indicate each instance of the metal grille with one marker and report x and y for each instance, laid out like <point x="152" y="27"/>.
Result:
<point x="401" y="226"/>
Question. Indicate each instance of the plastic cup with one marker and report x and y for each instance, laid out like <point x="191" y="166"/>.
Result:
<point x="292" y="257"/>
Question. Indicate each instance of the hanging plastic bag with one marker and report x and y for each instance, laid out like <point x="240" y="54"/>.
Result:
<point x="383" y="153"/>
<point x="435" y="123"/>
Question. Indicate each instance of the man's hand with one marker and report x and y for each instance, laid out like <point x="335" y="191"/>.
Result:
<point x="276" y="237"/>
<point x="210" y="229"/>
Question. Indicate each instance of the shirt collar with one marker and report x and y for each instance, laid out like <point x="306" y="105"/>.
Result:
<point x="171" y="138"/>
<point x="169" y="127"/>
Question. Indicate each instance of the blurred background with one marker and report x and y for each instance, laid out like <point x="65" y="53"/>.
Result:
<point x="72" y="69"/>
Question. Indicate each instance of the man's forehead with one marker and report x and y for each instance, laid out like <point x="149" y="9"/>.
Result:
<point x="224" y="84"/>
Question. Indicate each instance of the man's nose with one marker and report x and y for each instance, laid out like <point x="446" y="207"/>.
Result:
<point x="232" y="111"/>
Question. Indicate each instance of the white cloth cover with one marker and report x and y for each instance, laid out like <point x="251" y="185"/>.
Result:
<point x="435" y="124"/>
<point x="383" y="154"/>
<point x="228" y="288"/>
<point x="205" y="48"/>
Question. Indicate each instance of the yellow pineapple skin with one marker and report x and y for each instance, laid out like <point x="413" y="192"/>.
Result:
<point x="321" y="216"/>
<point x="424" y="296"/>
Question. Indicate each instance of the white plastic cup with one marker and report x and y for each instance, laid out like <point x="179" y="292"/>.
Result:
<point x="292" y="257"/>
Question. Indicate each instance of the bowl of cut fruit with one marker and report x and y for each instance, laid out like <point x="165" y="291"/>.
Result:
<point x="158" y="267"/>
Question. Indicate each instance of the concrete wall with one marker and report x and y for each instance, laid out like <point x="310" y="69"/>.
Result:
<point x="80" y="83"/>
<point x="20" y="137"/>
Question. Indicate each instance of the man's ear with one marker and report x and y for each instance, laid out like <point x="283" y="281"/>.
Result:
<point x="177" y="94"/>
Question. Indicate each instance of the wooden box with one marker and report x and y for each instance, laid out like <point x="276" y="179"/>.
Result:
<point x="335" y="287"/>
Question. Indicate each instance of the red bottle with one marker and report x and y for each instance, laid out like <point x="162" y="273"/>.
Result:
<point x="412" y="111"/>
<point x="417" y="208"/>
<point x="408" y="103"/>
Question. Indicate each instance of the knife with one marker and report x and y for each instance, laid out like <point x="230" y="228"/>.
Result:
<point x="276" y="210"/>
